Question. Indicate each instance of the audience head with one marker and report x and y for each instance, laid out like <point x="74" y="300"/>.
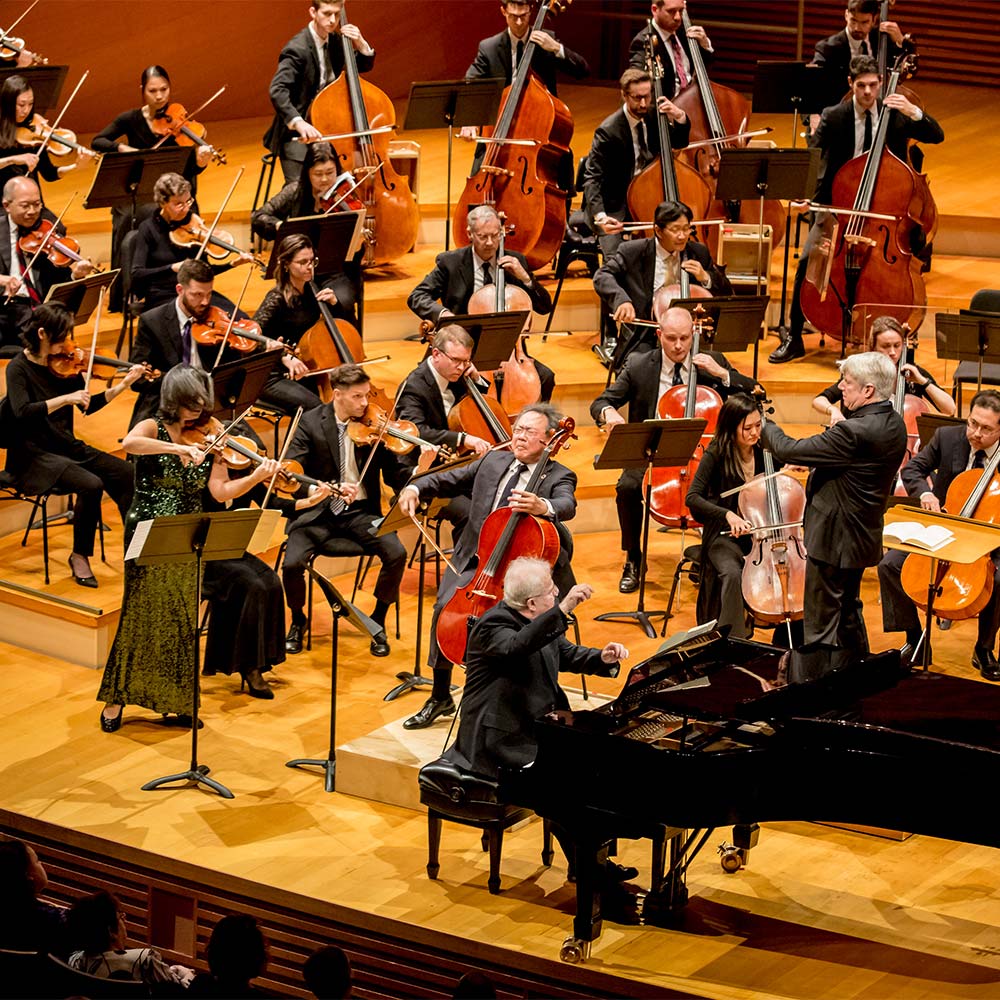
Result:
<point x="96" y="924"/>
<point x="21" y="873"/>
<point x="237" y="951"/>
<point x="327" y="973"/>
<point x="474" y="986"/>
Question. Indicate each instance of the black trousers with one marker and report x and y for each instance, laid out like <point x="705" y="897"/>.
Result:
<point x="833" y="606"/>
<point x="287" y="395"/>
<point x="355" y="525"/>
<point x="723" y="586"/>
<point x="89" y="480"/>
<point x="628" y="497"/>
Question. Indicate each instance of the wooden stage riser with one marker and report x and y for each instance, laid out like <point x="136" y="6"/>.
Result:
<point x="44" y="630"/>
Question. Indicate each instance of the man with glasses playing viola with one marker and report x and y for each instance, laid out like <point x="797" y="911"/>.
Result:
<point x="927" y="476"/>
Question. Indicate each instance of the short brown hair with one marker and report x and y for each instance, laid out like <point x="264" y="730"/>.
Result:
<point x="633" y="75"/>
<point x="195" y="270"/>
<point x="348" y="376"/>
<point x="167" y="185"/>
<point x="453" y="334"/>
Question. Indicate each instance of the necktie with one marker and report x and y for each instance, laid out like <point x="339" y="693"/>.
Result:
<point x="865" y="49"/>
<point x="678" y="373"/>
<point x="186" y="343"/>
<point x="29" y="285"/>
<point x="682" y="77"/>
<point x="326" y="70"/>
<point x="517" y="469"/>
<point x="487" y="276"/>
<point x="979" y="460"/>
<point x="519" y="54"/>
<point x="640" y="135"/>
<point x="867" y="144"/>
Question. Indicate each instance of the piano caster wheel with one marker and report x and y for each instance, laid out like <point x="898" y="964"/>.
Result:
<point x="731" y="858"/>
<point x="574" y="951"/>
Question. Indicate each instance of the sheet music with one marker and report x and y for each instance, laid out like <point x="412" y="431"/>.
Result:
<point x="263" y="535"/>
<point x="138" y="542"/>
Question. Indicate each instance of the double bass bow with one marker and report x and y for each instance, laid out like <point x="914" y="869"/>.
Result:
<point x="353" y="105"/>
<point x="519" y="174"/>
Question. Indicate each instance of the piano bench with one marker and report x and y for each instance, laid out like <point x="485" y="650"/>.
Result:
<point x="471" y="800"/>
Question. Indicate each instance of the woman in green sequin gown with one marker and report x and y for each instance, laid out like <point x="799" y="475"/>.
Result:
<point x="152" y="659"/>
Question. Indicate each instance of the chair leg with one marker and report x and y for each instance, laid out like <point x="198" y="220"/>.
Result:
<point x="100" y="532"/>
<point x="45" y="535"/>
<point x="398" y="633"/>
<point x="309" y="607"/>
<point x="433" y="843"/>
<point x="547" y="853"/>
<point x="496" y="849"/>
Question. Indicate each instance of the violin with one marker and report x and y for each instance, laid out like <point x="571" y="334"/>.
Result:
<point x="342" y="195"/>
<point x="220" y="244"/>
<point x="14" y="48"/>
<point x="61" y="249"/>
<point x="209" y="330"/>
<point x="399" y="436"/>
<point x="62" y="142"/>
<point x="77" y="362"/>
<point x="173" y="121"/>
<point x="507" y="534"/>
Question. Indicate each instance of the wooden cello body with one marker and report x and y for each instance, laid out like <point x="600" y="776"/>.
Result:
<point x="522" y="181"/>
<point x="351" y="104"/>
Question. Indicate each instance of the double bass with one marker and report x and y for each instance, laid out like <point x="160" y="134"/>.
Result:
<point x="519" y="174"/>
<point x="353" y="105"/>
<point x="507" y="534"/>
<point x="872" y="259"/>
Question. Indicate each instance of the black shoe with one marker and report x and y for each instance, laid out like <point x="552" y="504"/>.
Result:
<point x="256" y="684"/>
<point x="433" y="708"/>
<point x="614" y="872"/>
<point x="379" y="645"/>
<point x="986" y="663"/>
<point x="184" y="722"/>
<point x="83" y="581"/>
<point x="944" y="624"/>
<point x="293" y="641"/>
<point x="790" y="349"/>
<point x="629" y="583"/>
<point x="112" y="725"/>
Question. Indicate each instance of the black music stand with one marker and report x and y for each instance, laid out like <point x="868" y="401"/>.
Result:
<point x="341" y="608"/>
<point x="494" y="335"/>
<point x="128" y="178"/>
<point x="46" y="83"/>
<point x="649" y="444"/>
<point x="736" y="322"/>
<point x="198" y="538"/>
<point x="451" y="103"/>
<point x="335" y="238"/>
<point x="393" y="521"/>
<point x="969" y="336"/>
<point x="745" y="174"/>
<point x="80" y="297"/>
<point x="237" y="384"/>
<point x="929" y="423"/>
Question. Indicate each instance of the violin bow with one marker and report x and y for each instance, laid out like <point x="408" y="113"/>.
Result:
<point x="382" y="432"/>
<point x="7" y="32"/>
<point x="232" y="320"/>
<point x="281" y="457"/>
<point x="220" y="441"/>
<point x="41" y="249"/>
<point x="59" y="117"/>
<point x="363" y="174"/>
<point x="187" y="118"/>
<point x="93" y="342"/>
<point x="218" y="215"/>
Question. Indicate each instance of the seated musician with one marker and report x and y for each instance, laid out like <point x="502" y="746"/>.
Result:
<point x="668" y="23"/>
<point x="859" y="37"/>
<point x="927" y="476"/>
<point x="315" y="446"/>
<point x="496" y="480"/>
<point x="641" y="382"/>
<point x="854" y="466"/>
<point x="844" y="132"/>
<point x="23" y="214"/>
<point x="459" y="274"/>
<point x="157" y="258"/>
<point x="42" y="450"/>
<point x="625" y="143"/>
<point x="164" y="338"/>
<point x="300" y="198"/>
<point x="516" y="651"/>
<point x="630" y="278"/>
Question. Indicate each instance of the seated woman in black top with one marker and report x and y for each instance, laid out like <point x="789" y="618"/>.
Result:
<point x="27" y="923"/>
<point x="889" y="339"/>
<point x="42" y="450"/>
<point x="157" y="258"/>
<point x="320" y="170"/>
<point x="17" y="108"/>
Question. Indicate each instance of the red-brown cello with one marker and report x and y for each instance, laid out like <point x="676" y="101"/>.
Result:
<point x="507" y="535"/>
<point x="519" y="173"/>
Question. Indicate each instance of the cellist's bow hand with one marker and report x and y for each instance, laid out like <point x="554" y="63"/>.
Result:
<point x="611" y="416"/>
<point x="468" y="132"/>
<point x="667" y="107"/>
<point x="296" y="367"/>
<point x="528" y="503"/>
<point x="625" y="313"/>
<point x="575" y="596"/>
<point x="545" y="41"/>
<point x="738" y="525"/>
<point x="608" y="224"/>
<point x="306" y="130"/>
<point x="892" y="29"/>
<point x="930" y="502"/>
<point x="902" y="105"/>
<point x="513" y="266"/>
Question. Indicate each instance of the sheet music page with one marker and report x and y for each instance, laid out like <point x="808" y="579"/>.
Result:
<point x="135" y="547"/>
<point x="263" y="537"/>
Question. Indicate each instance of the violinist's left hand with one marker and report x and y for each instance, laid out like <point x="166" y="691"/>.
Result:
<point x="698" y="33"/>
<point x="81" y="268"/>
<point x="203" y="156"/>
<point x="243" y="258"/>
<point x="134" y="373"/>
<point x="545" y="41"/>
<point x="265" y="470"/>
<point x="666" y="107"/>
<point x="696" y="271"/>
<point x="528" y="503"/>
<point x="902" y="105"/>
<point x="893" y="30"/>
<point x="708" y="364"/>
<point x="513" y="266"/>
<point x="326" y="295"/>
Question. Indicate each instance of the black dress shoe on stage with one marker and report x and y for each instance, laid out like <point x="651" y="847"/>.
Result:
<point x="256" y="685"/>
<point x="433" y="709"/>
<point x="986" y="663"/>
<point x="790" y="349"/>
<point x="83" y="581"/>
<point x="615" y="872"/>
<point x="112" y="725"/>
<point x="293" y="641"/>
<point x="629" y="583"/>
<point x="380" y="645"/>
<point x="184" y="722"/>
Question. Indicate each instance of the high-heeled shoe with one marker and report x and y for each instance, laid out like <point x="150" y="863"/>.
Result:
<point x="256" y="685"/>
<point x="83" y="581"/>
<point x="112" y="725"/>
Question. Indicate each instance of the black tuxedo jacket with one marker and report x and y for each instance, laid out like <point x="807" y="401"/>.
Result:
<point x="638" y="384"/>
<point x="494" y="59"/>
<point x="940" y="461"/>
<point x="296" y="81"/>
<point x="834" y="136"/>
<point x="637" y="57"/>
<point x="316" y="446"/>
<point x="512" y="679"/>
<point x="628" y="274"/>
<point x="854" y="466"/>
<point x="450" y="285"/>
<point x="834" y="54"/>
<point x="420" y="402"/>
<point x="611" y="162"/>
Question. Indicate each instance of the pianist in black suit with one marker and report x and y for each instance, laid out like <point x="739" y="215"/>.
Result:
<point x="853" y="469"/>
<point x="927" y="476"/>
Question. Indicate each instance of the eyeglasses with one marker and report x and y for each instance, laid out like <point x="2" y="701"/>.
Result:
<point x="312" y="262"/>
<point x="978" y="428"/>
<point x="455" y="361"/>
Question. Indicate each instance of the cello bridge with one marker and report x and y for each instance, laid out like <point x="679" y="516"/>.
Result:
<point x="498" y="171"/>
<point x="857" y="238"/>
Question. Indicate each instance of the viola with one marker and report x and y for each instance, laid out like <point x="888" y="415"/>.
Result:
<point x="78" y="361"/>
<point x="506" y="535"/>
<point x="62" y="142"/>
<point x="220" y="245"/>
<point x="61" y="249"/>
<point x="522" y="181"/>
<point x="173" y="121"/>
<point x="209" y="330"/>
<point x="353" y="105"/>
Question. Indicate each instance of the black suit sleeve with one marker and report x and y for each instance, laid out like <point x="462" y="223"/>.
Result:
<point x="599" y="164"/>
<point x="292" y="66"/>
<point x="415" y="405"/>
<point x="424" y="300"/>
<point x="146" y="349"/>
<point x="607" y="280"/>
<point x="623" y="390"/>
<point x="922" y="467"/>
<point x="541" y="302"/>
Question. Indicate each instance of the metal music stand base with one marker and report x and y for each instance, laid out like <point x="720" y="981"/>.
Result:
<point x="199" y="776"/>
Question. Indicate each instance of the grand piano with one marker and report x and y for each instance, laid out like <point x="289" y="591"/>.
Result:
<point x="718" y="732"/>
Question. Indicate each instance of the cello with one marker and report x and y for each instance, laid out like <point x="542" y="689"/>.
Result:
<point x="353" y="105"/>
<point x="668" y="486"/>
<point x="507" y="535"/>
<point x="519" y="173"/>
<point x="669" y="179"/>
<point x="872" y="260"/>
